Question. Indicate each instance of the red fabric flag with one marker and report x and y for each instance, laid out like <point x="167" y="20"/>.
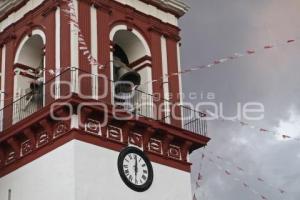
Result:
<point x="263" y="197"/>
<point x="259" y="179"/>
<point x="286" y="136"/>
<point x="281" y="191"/>
<point x="243" y="123"/>
<point x="217" y="62"/>
<point x="268" y="46"/>
<point x="263" y="130"/>
<point x="250" y="51"/>
<point x="239" y="168"/>
<point x="289" y="41"/>
<point x="227" y="172"/>
<point x="245" y="185"/>
<point x="199" y="177"/>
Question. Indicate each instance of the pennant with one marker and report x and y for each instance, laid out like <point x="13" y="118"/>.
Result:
<point x="199" y="177"/>
<point x="239" y="168"/>
<point x="227" y="172"/>
<point x="237" y="55"/>
<point x="263" y="130"/>
<point x="290" y="41"/>
<point x="250" y="51"/>
<point x="244" y="123"/>
<point x="223" y="60"/>
<point x="281" y="191"/>
<point x="245" y="185"/>
<point x="263" y="197"/>
<point x="51" y="71"/>
<point x="86" y="52"/>
<point x="259" y="179"/>
<point x="286" y="137"/>
<point x="217" y="62"/>
<point x="82" y="48"/>
<point x="268" y="47"/>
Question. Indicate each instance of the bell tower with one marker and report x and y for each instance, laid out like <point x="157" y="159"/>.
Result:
<point x="91" y="102"/>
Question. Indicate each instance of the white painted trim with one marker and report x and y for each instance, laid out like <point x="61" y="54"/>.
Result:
<point x="20" y="48"/>
<point x="166" y="91"/>
<point x="117" y="28"/>
<point x="57" y="52"/>
<point x="146" y="62"/>
<point x="142" y="39"/>
<point x="15" y="16"/>
<point x="24" y="40"/>
<point x="94" y="51"/>
<point x="153" y="11"/>
<point x="112" y="85"/>
<point x="74" y="52"/>
<point x="180" y="81"/>
<point x="2" y="95"/>
<point x="74" y="121"/>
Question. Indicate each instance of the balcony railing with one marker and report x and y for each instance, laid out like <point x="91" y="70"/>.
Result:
<point x="27" y="105"/>
<point x="138" y="102"/>
<point x="147" y="105"/>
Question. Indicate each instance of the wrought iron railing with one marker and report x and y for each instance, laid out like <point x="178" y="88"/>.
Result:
<point x="135" y="101"/>
<point x="141" y="103"/>
<point x="27" y="105"/>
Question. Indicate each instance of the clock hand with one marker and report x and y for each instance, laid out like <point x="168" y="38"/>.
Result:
<point x="135" y="167"/>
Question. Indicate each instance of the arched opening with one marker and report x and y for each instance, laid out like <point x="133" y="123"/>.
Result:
<point x="132" y="64"/>
<point x="29" y="77"/>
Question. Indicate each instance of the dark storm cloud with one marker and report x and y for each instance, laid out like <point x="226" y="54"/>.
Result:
<point x="217" y="28"/>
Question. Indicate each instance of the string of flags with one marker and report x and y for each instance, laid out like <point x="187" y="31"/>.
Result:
<point x="85" y="50"/>
<point x="243" y="171"/>
<point x="284" y="136"/>
<point x="248" y="52"/>
<point x="83" y="47"/>
<point x="230" y="174"/>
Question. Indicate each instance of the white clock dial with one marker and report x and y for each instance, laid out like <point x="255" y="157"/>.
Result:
<point x="135" y="169"/>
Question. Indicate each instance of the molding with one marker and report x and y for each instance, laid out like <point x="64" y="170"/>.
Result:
<point x="38" y="134"/>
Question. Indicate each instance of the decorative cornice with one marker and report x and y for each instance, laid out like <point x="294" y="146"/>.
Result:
<point x="39" y="134"/>
<point x="177" y="7"/>
<point x="7" y="5"/>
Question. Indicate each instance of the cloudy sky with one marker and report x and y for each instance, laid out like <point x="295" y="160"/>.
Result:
<point x="217" y="28"/>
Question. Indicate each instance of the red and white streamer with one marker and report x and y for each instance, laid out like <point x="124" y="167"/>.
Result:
<point x="241" y="170"/>
<point x="237" y="179"/>
<point x="284" y="136"/>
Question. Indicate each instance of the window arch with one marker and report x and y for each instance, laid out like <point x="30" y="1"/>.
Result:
<point x="29" y="75"/>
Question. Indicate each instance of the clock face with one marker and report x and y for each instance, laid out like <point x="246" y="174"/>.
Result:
<point x="135" y="169"/>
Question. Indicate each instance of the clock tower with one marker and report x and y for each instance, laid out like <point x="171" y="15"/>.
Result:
<point x="91" y="104"/>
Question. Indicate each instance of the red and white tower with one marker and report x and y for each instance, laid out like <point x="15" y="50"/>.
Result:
<point x="71" y="128"/>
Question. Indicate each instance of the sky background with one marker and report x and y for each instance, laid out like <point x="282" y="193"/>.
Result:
<point x="213" y="29"/>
